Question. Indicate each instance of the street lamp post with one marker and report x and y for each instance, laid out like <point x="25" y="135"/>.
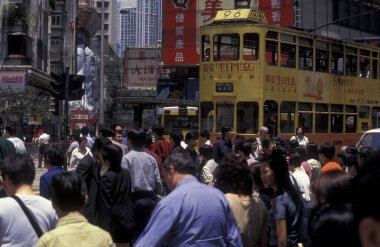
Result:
<point x="101" y="105"/>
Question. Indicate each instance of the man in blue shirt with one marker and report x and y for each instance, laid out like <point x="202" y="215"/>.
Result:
<point x="193" y="214"/>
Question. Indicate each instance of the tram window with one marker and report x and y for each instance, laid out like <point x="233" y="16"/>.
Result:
<point x="271" y="49"/>
<point x="288" y="38"/>
<point x="364" y="67"/>
<point x="374" y="68"/>
<point x="336" y="123"/>
<point x="375" y="117"/>
<point x="247" y="117"/>
<point x="287" y="112"/>
<point x="226" y="47"/>
<point x="302" y="106"/>
<point x="336" y="108"/>
<point x="321" y="107"/>
<point x="364" y="52"/>
<point x="305" y="58"/>
<point x="270" y="116"/>
<point x="207" y="116"/>
<point x="288" y="55"/>
<point x="350" y="123"/>
<point x="305" y="41"/>
<point x="321" y="123"/>
<point x="337" y="62"/>
<point x="322" y="61"/>
<point x="351" y="65"/>
<point x="363" y="111"/>
<point x="251" y="46"/>
<point x="206" y="48"/>
<point x="374" y="54"/>
<point x="305" y="120"/>
<point x="272" y="35"/>
<point x="350" y="109"/>
<point x="224" y="115"/>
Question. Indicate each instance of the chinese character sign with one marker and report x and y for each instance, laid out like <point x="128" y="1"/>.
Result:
<point x="179" y="27"/>
<point x="278" y="12"/>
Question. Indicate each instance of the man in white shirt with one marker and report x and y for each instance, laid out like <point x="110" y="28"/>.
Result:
<point x="43" y="141"/>
<point x="18" y="173"/>
<point x="9" y="133"/>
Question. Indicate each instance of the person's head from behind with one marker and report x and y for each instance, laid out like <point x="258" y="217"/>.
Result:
<point x="295" y="160"/>
<point x="312" y="151"/>
<point x="111" y="156"/>
<point x="205" y="135"/>
<point x="85" y="131"/>
<point x="206" y="151"/>
<point x="17" y="170"/>
<point x="68" y="193"/>
<point x="264" y="132"/>
<point x="136" y="138"/>
<point x="54" y="156"/>
<point x="176" y="167"/>
<point x="302" y="152"/>
<point x="332" y="224"/>
<point x="233" y="176"/>
<point x="99" y="143"/>
<point x="331" y="187"/>
<point x="148" y="140"/>
<point x="105" y="131"/>
<point x="366" y="202"/>
<point x="226" y="133"/>
<point x="176" y="137"/>
<point x="158" y="131"/>
<point x="244" y="148"/>
<point x="326" y="152"/>
<point x="191" y="139"/>
<point x="9" y="131"/>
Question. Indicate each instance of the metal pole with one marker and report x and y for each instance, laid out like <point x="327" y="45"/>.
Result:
<point x="66" y="108"/>
<point x="74" y="59"/>
<point x="101" y="106"/>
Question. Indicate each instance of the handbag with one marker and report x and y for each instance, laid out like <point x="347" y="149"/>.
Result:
<point x="29" y="215"/>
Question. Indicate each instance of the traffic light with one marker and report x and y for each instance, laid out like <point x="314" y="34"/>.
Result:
<point x="57" y="87"/>
<point x="75" y="87"/>
<point x="54" y="106"/>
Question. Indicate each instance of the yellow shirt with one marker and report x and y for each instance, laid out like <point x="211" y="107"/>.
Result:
<point x="75" y="231"/>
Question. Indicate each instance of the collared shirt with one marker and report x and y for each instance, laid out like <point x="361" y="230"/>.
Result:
<point x="76" y="156"/>
<point x="75" y="231"/>
<point x="221" y="148"/>
<point x="144" y="171"/>
<point x="194" y="214"/>
<point x="46" y="178"/>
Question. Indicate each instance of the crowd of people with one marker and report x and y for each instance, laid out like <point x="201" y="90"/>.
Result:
<point x="143" y="190"/>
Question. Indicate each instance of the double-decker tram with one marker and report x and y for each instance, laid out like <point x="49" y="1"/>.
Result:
<point x="253" y="74"/>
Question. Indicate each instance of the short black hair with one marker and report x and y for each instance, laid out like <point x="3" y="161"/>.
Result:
<point x="114" y="155"/>
<point x="68" y="191"/>
<point x="181" y="162"/>
<point x="11" y="130"/>
<point x="295" y="159"/>
<point x="327" y="150"/>
<point x="148" y="140"/>
<point x="54" y="156"/>
<point x="245" y="147"/>
<point x="225" y="129"/>
<point x="159" y="130"/>
<point x="106" y="131"/>
<point x="85" y="130"/>
<point x="99" y="143"/>
<point x="176" y="136"/>
<point x="136" y="137"/>
<point x="205" y="134"/>
<point x="19" y="168"/>
<point x="191" y="136"/>
<point x="206" y="151"/>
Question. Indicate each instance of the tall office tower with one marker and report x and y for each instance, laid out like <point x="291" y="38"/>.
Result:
<point x="141" y="24"/>
<point x="110" y="22"/>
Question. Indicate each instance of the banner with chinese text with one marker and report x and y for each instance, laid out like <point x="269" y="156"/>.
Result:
<point x="179" y="32"/>
<point x="278" y="12"/>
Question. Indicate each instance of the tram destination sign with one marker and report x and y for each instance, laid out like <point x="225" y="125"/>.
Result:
<point x="224" y="87"/>
<point x="241" y="14"/>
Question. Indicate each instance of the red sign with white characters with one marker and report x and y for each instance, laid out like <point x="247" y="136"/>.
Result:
<point x="278" y="12"/>
<point x="179" y="32"/>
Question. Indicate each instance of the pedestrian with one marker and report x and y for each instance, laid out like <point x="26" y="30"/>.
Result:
<point x="326" y="153"/>
<point x="300" y="137"/>
<point x="6" y="149"/>
<point x="286" y="204"/>
<point x="176" y="138"/>
<point x="43" y="141"/>
<point x="207" y="173"/>
<point x="223" y="145"/>
<point x="366" y="186"/>
<point x="73" y="145"/>
<point x="54" y="160"/>
<point x="193" y="214"/>
<point x="145" y="176"/>
<point x="78" y="154"/>
<point x="16" y="228"/>
<point x="19" y="145"/>
<point x="234" y="180"/>
<point x="205" y="137"/>
<point x="85" y="132"/>
<point x="161" y="147"/>
<point x="69" y="196"/>
<point x="263" y="134"/>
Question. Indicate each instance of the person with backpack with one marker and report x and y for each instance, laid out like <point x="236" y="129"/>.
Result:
<point x="161" y="147"/>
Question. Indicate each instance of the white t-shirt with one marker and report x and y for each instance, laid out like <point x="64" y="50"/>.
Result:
<point x="303" y="182"/>
<point x="76" y="156"/>
<point x="19" y="144"/>
<point x="44" y="139"/>
<point x="15" y="228"/>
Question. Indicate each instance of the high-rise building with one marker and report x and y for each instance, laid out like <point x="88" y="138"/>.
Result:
<point x="140" y="25"/>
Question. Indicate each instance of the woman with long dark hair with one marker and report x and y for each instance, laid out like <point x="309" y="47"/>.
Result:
<point x="286" y="203"/>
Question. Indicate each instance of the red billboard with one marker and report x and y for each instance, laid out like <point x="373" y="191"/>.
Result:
<point x="179" y="32"/>
<point x="278" y="12"/>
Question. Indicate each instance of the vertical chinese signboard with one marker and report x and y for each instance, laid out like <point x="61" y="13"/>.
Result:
<point x="179" y="41"/>
<point x="278" y="12"/>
